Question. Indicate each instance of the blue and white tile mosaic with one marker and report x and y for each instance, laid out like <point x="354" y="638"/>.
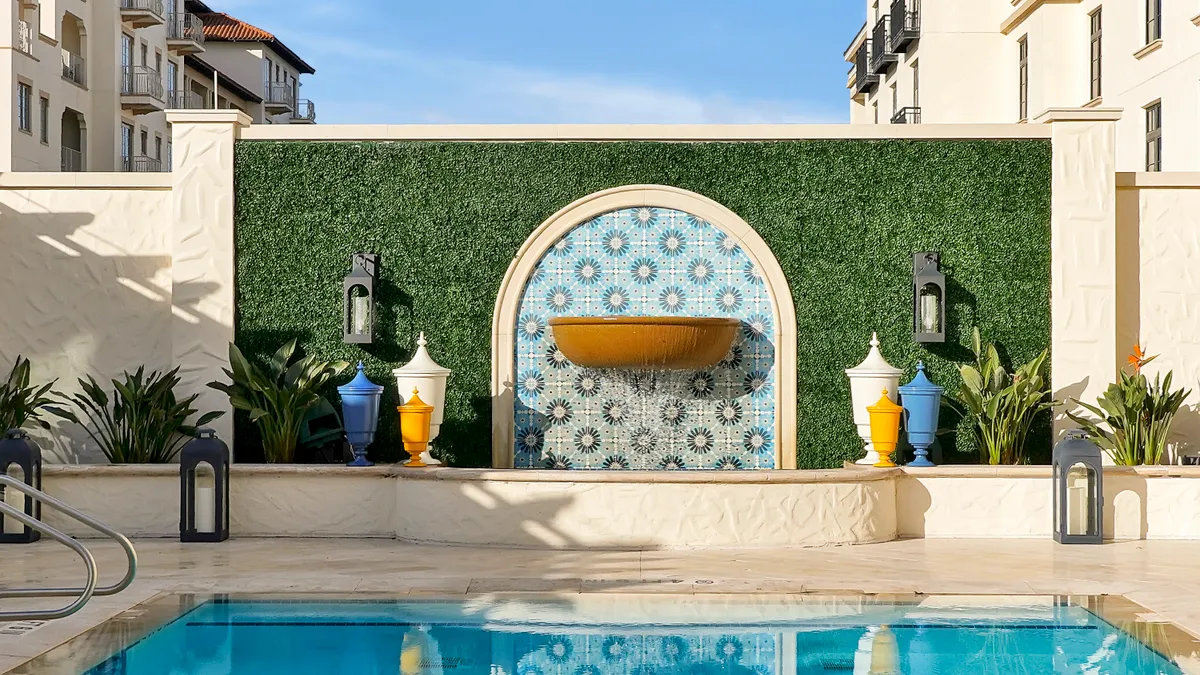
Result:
<point x="633" y="654"/>
<point x="645" y="262"/>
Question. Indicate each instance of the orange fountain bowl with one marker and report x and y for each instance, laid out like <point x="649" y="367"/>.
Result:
<point x="644" y="342"/>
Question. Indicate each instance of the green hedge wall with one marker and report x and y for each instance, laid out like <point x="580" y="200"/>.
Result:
<point x="843" y="217"/>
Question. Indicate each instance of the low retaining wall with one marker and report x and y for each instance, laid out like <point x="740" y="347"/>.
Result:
<point x="554" y="509"/>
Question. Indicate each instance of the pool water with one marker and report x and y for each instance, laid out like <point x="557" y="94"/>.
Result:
<point x="946" y="636"/>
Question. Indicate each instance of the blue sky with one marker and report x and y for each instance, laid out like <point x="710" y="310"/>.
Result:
<point x="564" y="61"/>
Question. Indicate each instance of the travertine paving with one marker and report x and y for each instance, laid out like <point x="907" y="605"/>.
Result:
<point x="1164" y="576"/>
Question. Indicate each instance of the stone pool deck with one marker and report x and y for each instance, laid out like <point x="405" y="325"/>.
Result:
<point x="1163" y="576"/>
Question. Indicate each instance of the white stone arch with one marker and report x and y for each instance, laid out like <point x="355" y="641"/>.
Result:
<point x="504" y="317"/>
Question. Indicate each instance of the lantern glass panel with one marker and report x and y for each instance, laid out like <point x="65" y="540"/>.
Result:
<point x="1080" y="481"/>
<point x="360" y="310"/>
<point x="929" y="308"/>
<point x="14" y="499"/>
<point x="206" y="498"/>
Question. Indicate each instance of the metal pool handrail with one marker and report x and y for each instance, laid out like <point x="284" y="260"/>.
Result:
<point x="89" y="589"/>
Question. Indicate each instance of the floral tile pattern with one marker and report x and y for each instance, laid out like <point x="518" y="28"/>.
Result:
<point x="635" y="654"/>
<point x="645" y="262"/>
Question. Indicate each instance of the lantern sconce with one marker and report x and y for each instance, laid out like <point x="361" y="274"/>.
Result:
<point x="359" y="299"/>
<point x="929" y="299"/>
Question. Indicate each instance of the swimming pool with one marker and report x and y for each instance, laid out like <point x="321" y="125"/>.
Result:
<point x="629" y="635"/>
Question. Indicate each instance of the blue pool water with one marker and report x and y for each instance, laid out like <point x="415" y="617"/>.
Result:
<point x="665" y="637"/>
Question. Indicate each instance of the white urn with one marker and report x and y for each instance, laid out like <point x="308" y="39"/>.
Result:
<point x="867" y="380"/>
<point x="429" y="379"/>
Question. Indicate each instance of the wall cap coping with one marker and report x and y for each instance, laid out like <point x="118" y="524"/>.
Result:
<point x="119" y="180"/>
<point x="853" y="474"/>
<point x="1050" y="115"/>
<point x="1158" y="179"/>
<point x="209" y="117"/>
<point x="635" y="132"/>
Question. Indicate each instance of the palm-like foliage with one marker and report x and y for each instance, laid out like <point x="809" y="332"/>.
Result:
<point x="20" y="402"/>
<point x="1138" y="415"/>
<point x="141" y="422"/>
<point x="277" y="400"/>
<point x="1003" y="405"/>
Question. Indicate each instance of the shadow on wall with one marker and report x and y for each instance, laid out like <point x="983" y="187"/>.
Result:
<point x="80" y="298"/>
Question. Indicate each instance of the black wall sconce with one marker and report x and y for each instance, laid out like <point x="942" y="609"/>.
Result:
<point x="359" y="299"/>
<point x="929" y="299"/>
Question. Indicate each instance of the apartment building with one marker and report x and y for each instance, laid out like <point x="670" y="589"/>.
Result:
<point x="90" y="79"/>
<point x="1005" y="61"/>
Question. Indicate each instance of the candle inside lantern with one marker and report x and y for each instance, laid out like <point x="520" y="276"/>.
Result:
<point x="1077" y="500"/>
<point x="16" y="500"/>
<point x="929" y="310"/>
<point x="362" y="313"/>
<point x="206" y="502"/>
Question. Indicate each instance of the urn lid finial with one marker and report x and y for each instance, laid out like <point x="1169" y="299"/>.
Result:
<point x="921" y="384"/>
<point x="422" y="363"/>
<point x="874" y="364"/>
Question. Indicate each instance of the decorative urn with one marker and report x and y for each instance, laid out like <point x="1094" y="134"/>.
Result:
<point x="885" y="428"/>
<point x="866" y="380"/>
<point x="415" y="423"/>
<point x="922" y="401"/>
<point x="360" y="414"/>
<point x="424" y="374"/>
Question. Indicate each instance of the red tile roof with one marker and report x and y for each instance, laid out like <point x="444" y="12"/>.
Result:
<point x="220" y="27"/>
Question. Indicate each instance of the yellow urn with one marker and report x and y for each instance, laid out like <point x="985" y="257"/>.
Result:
<point x="885" y="653"/>
<point x="885" y="428"/>
<point x="415" y="417"/>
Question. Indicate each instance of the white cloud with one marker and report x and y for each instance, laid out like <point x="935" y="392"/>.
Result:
<point x="425" y="87"/>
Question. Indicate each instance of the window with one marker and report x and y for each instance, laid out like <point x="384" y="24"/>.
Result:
<point x="267" y="79"/>
<point x="126" y="145"/>
<point x="44" y="119"/>
<point x="1153" y="20"/>
<point x="172" y="76"/>
<point x="875" y="107"/>
<point x="1023" y="77"/>
<point x="24" y="100"/>
<point x="126" y="51"/>
<point x="916" y="85"/>
<point x="895" y="100"/>
<point x="158" y="62"/>
<point x="145" y="54"/>
<point x="1096" y="54"/>
<point x="158" y="148"/>
<point x="169" y="154"/>
<point x="1154" y="136"/>
<point x="145" y="138"/>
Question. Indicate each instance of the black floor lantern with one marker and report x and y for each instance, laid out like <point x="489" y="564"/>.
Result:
<point x="204" y="509"/>
<point x="17" y="448"/>
<point x="1078" y="491"/>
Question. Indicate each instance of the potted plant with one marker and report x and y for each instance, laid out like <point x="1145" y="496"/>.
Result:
<point x="278" y="399"/>
<point x="20" y="402"/>
<point x="1003" y="405"/>
<point x="141" y="422"/>
<point x="1135" y="414"/>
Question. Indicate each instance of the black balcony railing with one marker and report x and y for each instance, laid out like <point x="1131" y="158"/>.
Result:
<point x="185" y="27"/>
<point x="141" y="164"/>
<point x="74" y="68"/>
<point x="141" y="81"/>
<point x="152" y="6"/>
<point x="280" y="95"/>
<point x="305" y="111"/>
<point x="72" y="159"/>
<point x="864" y="78"/>
<point x="185" y="100"/>
<point x="907" y="115"/>
<point x="882" y="58"/>
<point x="905" y="24"/>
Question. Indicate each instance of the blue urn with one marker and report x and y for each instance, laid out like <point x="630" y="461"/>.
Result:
<point x="360" y="414"/>
<point x="922" y="401"/>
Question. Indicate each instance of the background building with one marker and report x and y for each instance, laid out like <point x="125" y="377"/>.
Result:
<point x="90" y="79"/>
<point x="995" y="61"/>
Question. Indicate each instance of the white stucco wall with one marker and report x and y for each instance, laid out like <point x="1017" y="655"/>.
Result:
<point x="85" y="264"/>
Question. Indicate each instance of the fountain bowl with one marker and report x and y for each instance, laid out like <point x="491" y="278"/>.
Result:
<point x="644" y="342"/>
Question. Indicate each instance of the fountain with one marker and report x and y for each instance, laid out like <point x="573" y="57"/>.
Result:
<point x="644" y="342"/>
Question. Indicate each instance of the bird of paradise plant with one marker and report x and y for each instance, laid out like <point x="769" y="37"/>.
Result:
<point x="1135" y="414"/>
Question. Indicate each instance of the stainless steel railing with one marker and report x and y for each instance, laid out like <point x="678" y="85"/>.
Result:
<point x="82" y="593"/>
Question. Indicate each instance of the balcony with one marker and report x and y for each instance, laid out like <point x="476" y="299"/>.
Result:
<point x="24" y="37"/>
<point x="72" y="159"/>
<point x="907" y="115"/>
<point x="906" y="25"/>
<point x="185" y="100"/>
<point x="864" y="79"/>
<point x="141" y="164"/>
<point x="141" y="90"/>
<point x="74" y="69"/>
<point x="882" y="58"/>
<point x="280" y="99"/>
<point x="142" y="13"/>
<point x="305" y="112"/>
<point x="185" y="33"/>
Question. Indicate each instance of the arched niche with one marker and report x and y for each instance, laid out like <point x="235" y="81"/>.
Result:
<point x="572" y="216"/>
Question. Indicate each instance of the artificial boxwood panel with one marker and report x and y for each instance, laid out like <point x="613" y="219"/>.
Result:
<point x="843" y="218"/>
